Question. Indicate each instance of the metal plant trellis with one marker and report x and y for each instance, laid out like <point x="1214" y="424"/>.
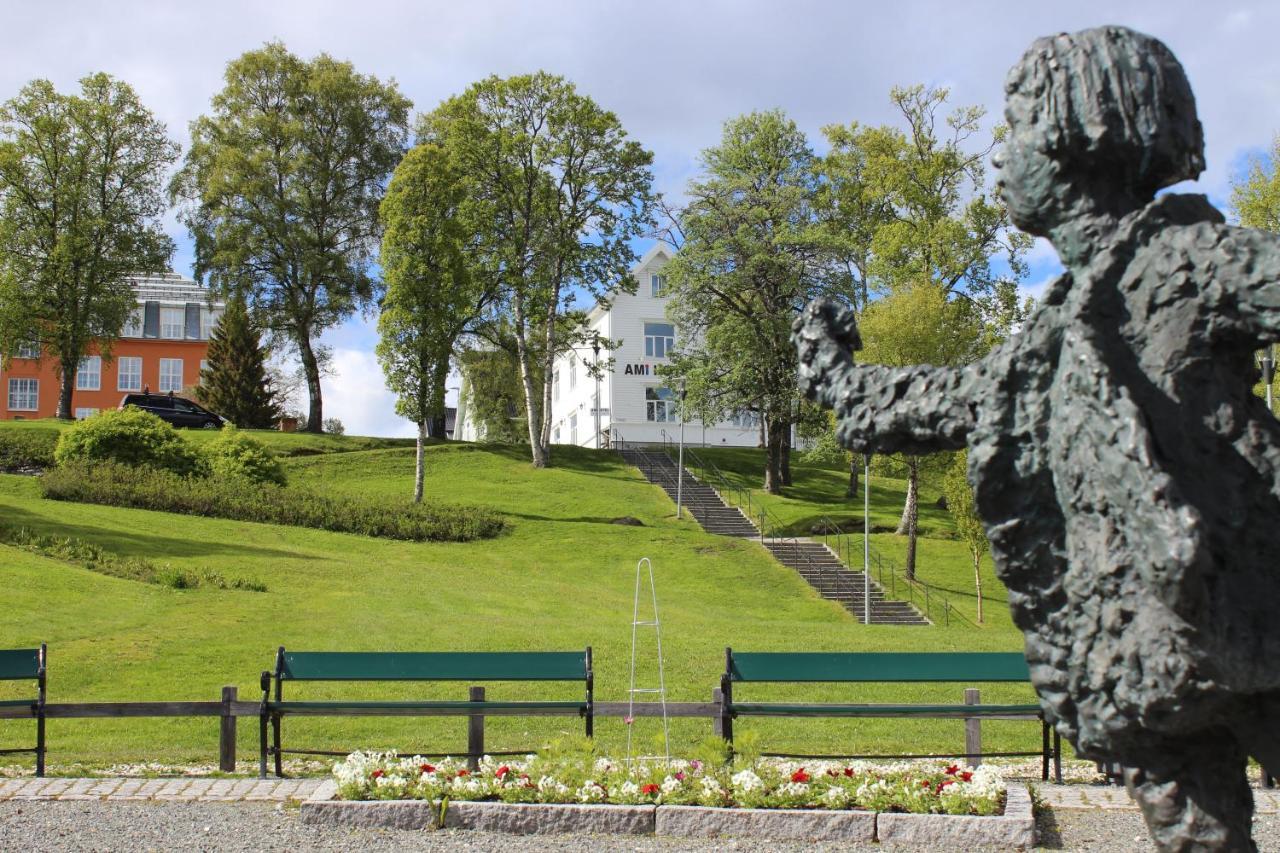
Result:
<point x="661" y="689"/>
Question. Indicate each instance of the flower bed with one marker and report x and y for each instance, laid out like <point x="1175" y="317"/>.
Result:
<point x="915" y="787"/>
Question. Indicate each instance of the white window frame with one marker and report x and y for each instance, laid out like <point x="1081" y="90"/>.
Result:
<point x="166" y="382"/>
<point x="83" y="413"/>
<point x="133" y="326"/>
<point x="654" y="343"/>
<point x="573" y="373"/>
<point x="208" y="319"/>
<point x="555" y="385"/>
<point x="573" y="427"/>
<point x="121" y="373"/>
<point x="167" y="329"/>
<point x="657" y="285"/>
<point x="659" y="409"/>
<point x="89" y="373"/>
<point x="32" y="393"/>
<point x="28" y="349"/>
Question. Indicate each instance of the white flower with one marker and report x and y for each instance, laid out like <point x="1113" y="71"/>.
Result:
<point x="746" y="781"/>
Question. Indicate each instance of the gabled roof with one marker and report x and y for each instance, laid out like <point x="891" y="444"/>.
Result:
<point x="657" y="249"/>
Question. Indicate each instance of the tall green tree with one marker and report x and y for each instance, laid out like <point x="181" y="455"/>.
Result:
<point x="747" y="266"/>
<point x="81" y="200"/>
<point x="434" y="294"/>
<point x="564" y="193"/>
<point x="281" y="190"/>
<point x="236" y="383"/>
<point x="920" y="325"/>
<point x="955" y="486"/>
<point x="1255" y="198"/>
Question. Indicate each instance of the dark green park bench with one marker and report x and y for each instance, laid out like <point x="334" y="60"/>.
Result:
<point x="883" y="668"/>
<point x="21" y="665"/>
<point x="419" y="666"/>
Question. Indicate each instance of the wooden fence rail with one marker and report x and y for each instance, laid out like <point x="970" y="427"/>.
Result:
<point x="230" y="708"/>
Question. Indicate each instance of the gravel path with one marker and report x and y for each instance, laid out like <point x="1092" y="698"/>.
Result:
<point x="90" y="825"/>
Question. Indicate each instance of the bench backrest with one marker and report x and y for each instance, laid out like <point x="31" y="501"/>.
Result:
<point x="433" y="666"/>
<point x="20" y="663"/>
<point x="877" y="666"/>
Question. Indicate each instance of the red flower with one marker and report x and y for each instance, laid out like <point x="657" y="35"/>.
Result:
<point x="800" y="776"/>
<point x="680" y="776"/>
<point x="925" y="784"/>
<point x="502" y="771"/>
<point x="966" y="776"/>
<point x="650" y="789"/>
<point x="464" y="772"/>
<point x="952" y="770"/>
<point x="378" y="774"/>
<point x="428" y="768"/>
<point x="848" y="771"/>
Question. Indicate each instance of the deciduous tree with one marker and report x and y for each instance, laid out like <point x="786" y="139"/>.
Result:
<point x="955" y="485"/>
<point x="81" y="197"/>
<point x="747" y="266"/>
<point x="565" y="192"/>
<point x="435" y="293"/>
<point x="282" y="186"/>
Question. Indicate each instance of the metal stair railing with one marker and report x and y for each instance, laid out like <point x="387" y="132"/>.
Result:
<point x="935" y="606"/>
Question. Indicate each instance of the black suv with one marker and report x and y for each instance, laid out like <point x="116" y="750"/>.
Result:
<point x="178" y="411"/>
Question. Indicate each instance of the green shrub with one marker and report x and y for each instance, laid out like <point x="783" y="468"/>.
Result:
<point x="128" y="436"/>
<point x="118" y="485"/>
<point x="235" y="455"/>
<point x="95" y="559"/>
<point x="27" y="448"/>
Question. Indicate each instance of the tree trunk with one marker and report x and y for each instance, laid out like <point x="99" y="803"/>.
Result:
<point x="533" y="413"/>
<point x="548" y="376"/>
<point x="773" y="479"/>
<point x="786" y="455"/>
<point x="910" y="514"/>
<point x="436" y="426"/>
<point x="67" y="386"/>
<point x="852" y="491"/>
<point x="419" y="462"/>
<point x="311" y="369"/>
<point x="977" y="581"/>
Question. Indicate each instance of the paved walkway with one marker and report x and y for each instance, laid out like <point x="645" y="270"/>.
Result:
<point x="196" y="789"/>
<point x="183" y="789"/>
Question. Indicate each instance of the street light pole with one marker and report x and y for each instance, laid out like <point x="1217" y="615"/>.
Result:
<point x="595" y="348"/>
<point x="680" y="465"/>
<point x="866" y="539"/>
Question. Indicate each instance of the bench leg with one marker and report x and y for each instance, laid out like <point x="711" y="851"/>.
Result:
<point x="1044" y="751"/>
<point x="262" y="746"/>
<point x="1057" y="757"/>
<point x="40" y="744"/>
<point x="275" y="731"/>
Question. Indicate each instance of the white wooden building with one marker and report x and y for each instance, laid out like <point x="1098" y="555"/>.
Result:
<point x="635" y="406"/>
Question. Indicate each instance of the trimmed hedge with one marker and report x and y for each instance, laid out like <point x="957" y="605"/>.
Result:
<point x="119" y="485"/>
<point x="27" y="448"/>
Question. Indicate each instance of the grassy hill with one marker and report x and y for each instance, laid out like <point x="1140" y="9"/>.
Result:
<point x="562" y="578"/>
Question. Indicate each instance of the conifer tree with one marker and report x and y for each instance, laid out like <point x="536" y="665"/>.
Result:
<point x="235" y="383"/>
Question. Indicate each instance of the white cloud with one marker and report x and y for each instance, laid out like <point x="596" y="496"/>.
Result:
<point x="356" y="394"/>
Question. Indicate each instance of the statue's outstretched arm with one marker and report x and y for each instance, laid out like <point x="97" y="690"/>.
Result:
<point x="879" y="409"/>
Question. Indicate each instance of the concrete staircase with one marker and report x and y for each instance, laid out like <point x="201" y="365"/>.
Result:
<point x="814" y="561"/>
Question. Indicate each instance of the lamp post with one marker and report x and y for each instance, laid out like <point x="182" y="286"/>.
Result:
<point x="680" y="456"/>
<point x="866" y="539"/>
<point x="595" y="348"/>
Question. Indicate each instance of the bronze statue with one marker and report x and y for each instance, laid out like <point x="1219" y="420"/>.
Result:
<point x="1127" y="476"/>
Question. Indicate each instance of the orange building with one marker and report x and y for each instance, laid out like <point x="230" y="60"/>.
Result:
<point x="163" y="348"/>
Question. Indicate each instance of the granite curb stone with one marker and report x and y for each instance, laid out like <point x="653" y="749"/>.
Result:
<point x="1016" y="828"/>
<point x="776" y="824"/>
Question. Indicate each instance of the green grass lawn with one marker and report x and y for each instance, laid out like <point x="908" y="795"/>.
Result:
<point x="562" y="578"/>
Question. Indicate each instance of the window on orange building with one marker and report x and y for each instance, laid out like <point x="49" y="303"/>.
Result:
<point x="208" y="320"/>
<point x="129" y="373"/>
<point x="170" y="374"/>
<point x="173" y="322"/>
<point x="24" y="395"/>
<point x="89" y="374"/>
<point x="29" y="349"/>
<point x="133" y="326"/>
<point x="81" y="414"/>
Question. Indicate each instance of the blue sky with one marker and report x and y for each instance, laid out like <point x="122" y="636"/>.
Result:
<point x="672" y="71"/>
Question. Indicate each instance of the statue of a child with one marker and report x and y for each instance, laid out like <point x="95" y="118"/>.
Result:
<point x="1127" y="476"/>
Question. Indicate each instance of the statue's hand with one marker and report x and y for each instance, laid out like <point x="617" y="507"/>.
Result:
<point x="825" y="335"/>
